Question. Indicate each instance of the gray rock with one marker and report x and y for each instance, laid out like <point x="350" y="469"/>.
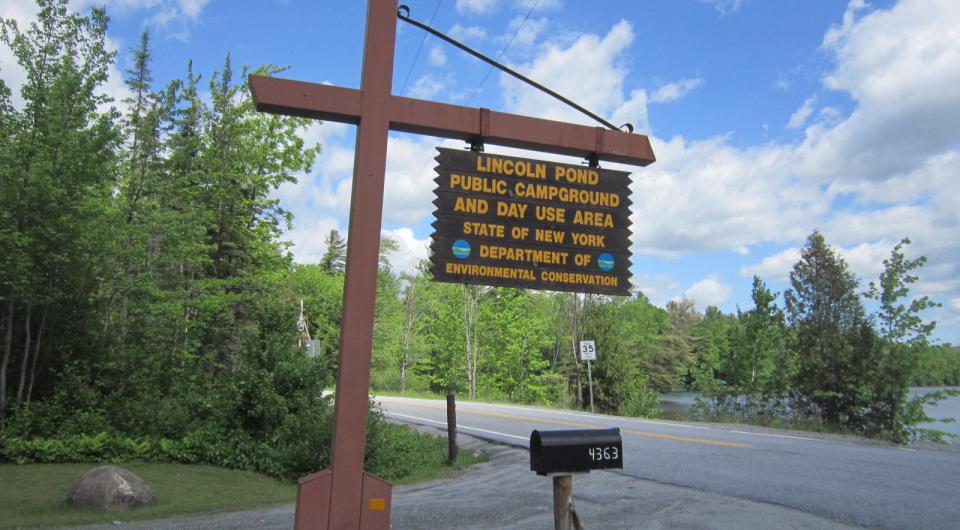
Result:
<point x="109" y="488"/>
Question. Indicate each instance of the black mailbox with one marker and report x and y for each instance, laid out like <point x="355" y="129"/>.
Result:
<point x="575" y="451"/>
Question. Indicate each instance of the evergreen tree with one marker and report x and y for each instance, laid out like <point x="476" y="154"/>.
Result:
<point x="334" y="259"/>
<point x="627" y="333"/>
<point x="831" y="337"/>
<point x="673" y="356"/>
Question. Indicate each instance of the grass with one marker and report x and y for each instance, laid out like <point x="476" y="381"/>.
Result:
<point x="35" y="494"/>
<point x="464" y="460"/>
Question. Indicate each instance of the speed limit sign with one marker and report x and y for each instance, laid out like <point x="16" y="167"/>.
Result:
<point x="588" y="351"/>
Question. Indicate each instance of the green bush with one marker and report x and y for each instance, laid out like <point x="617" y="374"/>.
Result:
<point x="299" y="446"/>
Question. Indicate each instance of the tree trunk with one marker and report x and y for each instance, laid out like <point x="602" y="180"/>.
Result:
<point x="36" y="354"/>
<point x="8" y="343"/>
<point x="26" y="355"/>
<point x="466" y="338"/>
<point x="407" y="332"/>
<point x="470" y="324"/>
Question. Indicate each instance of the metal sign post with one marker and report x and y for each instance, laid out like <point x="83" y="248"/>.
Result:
<point x="344" y="497"/>
<point x="588" y="352"/>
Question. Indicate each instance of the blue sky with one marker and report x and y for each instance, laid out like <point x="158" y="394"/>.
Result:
<point x="769" y="119"/>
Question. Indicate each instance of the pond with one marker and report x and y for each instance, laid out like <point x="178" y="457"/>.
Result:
<point x="675" y="404"/>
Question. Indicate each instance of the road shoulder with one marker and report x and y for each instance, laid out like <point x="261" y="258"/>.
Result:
<point x="504" y="493"/>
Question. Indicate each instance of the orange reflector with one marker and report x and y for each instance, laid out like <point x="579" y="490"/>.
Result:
<point x="377" y="504"/>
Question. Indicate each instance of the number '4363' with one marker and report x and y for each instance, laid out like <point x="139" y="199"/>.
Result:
<point x="603" y="453"/>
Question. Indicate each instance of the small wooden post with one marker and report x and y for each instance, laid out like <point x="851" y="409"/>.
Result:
<point x="590" y="379"/>
<point x="452" y="450"/>
<point x="564" y="516"/>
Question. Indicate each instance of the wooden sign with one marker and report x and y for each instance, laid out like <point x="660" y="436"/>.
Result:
<point x="532" y="224"/>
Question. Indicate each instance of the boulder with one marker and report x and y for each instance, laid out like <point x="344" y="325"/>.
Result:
<point x="108" y="488"/>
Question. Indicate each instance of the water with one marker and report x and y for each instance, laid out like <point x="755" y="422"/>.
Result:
<point x="948" y="408"/>
<point x="674" y="404"/>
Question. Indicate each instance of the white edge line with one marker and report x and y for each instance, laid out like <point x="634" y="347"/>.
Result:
<point x="458" y="426"/>
<point x="468" y="404"/>
<point x="775" y="435"/>
<point x="636" y="420"/>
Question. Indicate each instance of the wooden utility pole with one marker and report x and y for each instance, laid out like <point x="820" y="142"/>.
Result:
<point x="344" y="497"/>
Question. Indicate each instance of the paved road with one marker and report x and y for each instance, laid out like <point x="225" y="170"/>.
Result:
<point x="833" y="478"/>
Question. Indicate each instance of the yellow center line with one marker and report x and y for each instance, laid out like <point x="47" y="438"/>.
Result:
<point x="562" y="423"/>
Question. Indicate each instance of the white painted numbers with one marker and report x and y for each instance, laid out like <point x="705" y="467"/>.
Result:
<point x="599" y="454"/>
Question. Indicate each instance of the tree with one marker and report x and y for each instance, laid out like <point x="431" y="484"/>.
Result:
<point x="627" y="333"/>
<point x="759" y="360"/>
<point x="572" y="309"/>
<point x="711" y="347"/>
<point x="334" y="259"/>
<point x="471" y="331"/>
<point x="514" y="336"/>
<point x="903" y="333"/>
<point x="673" y="355"/>
<point x="412" y="347"/>
<point x="58" y="177"/>
<point x="831" y="337"/>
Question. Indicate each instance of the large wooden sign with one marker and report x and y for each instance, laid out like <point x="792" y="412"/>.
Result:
<point x="344" y="496"/>
<point x="533" y="224"/>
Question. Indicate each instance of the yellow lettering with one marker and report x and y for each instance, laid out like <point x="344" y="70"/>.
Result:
<point x="549" y="236"/>
<point x="511" y="209"/>
<point x="468" y="205"/>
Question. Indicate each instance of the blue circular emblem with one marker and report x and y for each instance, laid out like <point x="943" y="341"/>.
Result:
<point x="461" y="249"/>
<point x="605" y="261"/>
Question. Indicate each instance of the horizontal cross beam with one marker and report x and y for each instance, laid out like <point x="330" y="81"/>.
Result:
<point x="338" y="104"/>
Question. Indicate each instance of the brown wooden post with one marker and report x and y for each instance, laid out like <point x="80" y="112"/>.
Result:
<point x="360" y="282"/>
<point x="452" y="449"/>
<point x="564" y="516"/>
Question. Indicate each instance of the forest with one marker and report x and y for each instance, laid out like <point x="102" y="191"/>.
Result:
<point x="151" y="309"/>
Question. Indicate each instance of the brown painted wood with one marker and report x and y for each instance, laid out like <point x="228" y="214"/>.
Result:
<point x="324" y="102"/>
<point x="453" y="450"/>
<point x="360" y="281"/>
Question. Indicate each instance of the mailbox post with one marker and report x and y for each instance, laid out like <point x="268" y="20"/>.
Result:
<point x="559" y="454"/>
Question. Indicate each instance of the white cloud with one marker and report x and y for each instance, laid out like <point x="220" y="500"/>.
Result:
<point x="437" y="56"/>
<point x="523" y="36"/>
<point x="309" y="236"/>
<point x="426" y="87"/>
<point x="175" y="18"/>
<point x="799" y="117"/>
<point x="468" y="33"/>
<point x="901" y="66"/>
<point x="480" y="7"/>
<point x="674" y="91"/>
<point x="597" y="86"/>
<point x="725" y="7"/>
<point x="541" y="5"/>
<point x="659" y="289"/>
<point x="710" y="291"/>
<point x="776" y="266"/>
<point x="410" y="252"/>
<point x="408" y="194"/>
